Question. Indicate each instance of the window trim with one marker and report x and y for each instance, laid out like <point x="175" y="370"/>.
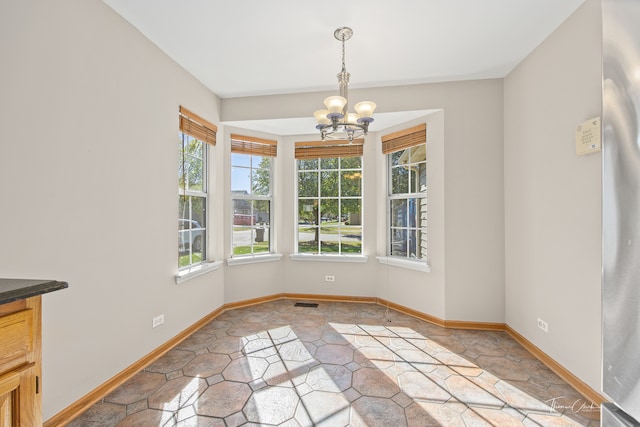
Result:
<point x="254" y="259"/>
<point x="253" y="146"/>
<point x="331" y="257"/>
<point x="418" y="265"/>
<point x="318" y="150"/>
<point x="399" y="141"/>
<point x="196" y="127"/>
<point x="196" y="270"/>
<point x="183" y="192"/>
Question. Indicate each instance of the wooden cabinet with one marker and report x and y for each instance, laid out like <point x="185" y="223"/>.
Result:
<point x="20" y="363"/>
<point x="21" y="350"/>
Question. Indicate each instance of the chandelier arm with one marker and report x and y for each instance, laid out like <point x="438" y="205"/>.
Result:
<point x="348" y="131"/>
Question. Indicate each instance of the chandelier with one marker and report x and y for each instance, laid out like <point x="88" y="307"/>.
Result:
<point x="335" y="122"/>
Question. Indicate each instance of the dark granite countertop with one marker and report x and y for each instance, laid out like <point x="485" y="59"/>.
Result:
<point x="17" y="289"/>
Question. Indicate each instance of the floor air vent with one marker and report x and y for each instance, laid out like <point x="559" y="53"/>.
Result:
<point x="306" y="304"/>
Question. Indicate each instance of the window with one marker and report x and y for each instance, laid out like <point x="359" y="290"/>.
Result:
<point x="251" y="194"/>
<point x="195" y="133"/>
<point x="406" y="153"/>
<point x="329" y="197"/>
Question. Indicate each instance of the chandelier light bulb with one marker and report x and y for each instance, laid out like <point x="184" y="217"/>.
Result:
<point x="321" y="117"/>
<point x="365" y="109"/>
<point x="335" y="104"/>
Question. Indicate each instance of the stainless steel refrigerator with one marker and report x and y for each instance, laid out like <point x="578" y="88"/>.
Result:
<point x="621" y="212"/>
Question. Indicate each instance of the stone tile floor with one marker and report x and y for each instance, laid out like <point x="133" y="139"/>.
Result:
<point x="341" y="364"/>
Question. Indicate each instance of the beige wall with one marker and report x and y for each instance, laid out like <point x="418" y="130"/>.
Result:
<point x="552" y="196"/>
<point x="89" y="194"/>
<point x="419" y="290"/>
<point x="248" y="281"/>
<point x="88" y="159"/>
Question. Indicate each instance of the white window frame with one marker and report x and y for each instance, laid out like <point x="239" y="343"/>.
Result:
<point x="182" y="192"/>
<point x="390" y="258"/>
<point x="329" y="256"/>
<point x="250" y="198"/>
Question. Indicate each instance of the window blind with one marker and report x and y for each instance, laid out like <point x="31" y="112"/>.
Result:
<point x="404" y="139"/>
<point x="252" y="145"/>
<point x="322" y="149"/>
<point x="197" y="127"/>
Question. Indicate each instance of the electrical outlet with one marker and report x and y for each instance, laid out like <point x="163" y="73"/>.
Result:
<point x="157" y="321"/>
<point x="543" y="325"/>
<point x="329" y="278"/>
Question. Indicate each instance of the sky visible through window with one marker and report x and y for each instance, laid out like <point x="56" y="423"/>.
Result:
<point x="240" y="172"/>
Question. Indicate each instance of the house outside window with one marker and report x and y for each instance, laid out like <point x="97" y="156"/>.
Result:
<point x="194" y="136"/>
<point x="329" y="189"/>
<point x="252" y="195"/>
<point x="406" y="153"/>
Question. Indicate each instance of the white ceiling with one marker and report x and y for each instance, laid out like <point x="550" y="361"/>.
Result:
<point x="259" y="47"/>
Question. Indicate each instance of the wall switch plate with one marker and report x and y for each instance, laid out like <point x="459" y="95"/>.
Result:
<point x="329" y="278"/>
<point x="157" y="321"/>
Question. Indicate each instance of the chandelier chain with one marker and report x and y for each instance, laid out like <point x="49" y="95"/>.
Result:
<point x="344" y="68"/>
